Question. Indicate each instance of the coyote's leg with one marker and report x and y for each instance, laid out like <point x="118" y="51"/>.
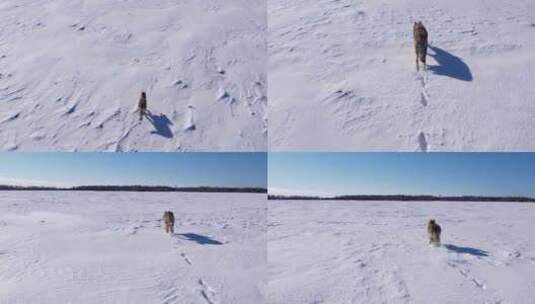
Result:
<point x="417" y="59"/>
<point x="425" y="64"/>
<point x="417" y="55"/>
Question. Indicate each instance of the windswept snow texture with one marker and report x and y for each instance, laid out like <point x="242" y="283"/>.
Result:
<point x="98" y="247"/>
<point x="72" y="72"/>
<point x="378" y="252"/>
<point x="342" y="75"/>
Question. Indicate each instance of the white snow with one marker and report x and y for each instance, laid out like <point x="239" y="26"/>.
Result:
<point x="72" y="71"/>
<point x="110" y="247"/>
<point x="378" y="252"/>
<point x="342" y="75"/>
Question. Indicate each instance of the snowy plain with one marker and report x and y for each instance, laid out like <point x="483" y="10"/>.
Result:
<point x="378" y="252"/>
<point x="72" y="71"/>
<point x="342" y="76"/>
<point x="110" y="247"/>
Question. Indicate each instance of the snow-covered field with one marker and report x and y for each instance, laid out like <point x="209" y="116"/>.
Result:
<point x="98" y="247"/>
<point x="378" y="252"/>
<point x="342" y="75"/>
<point x="71" y="73"/>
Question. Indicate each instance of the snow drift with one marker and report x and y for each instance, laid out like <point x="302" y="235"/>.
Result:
<point x="110" y="247"/>
<point x="378" y="252"/>
<point x="71" y="73"/>
<point x="342" y="76"/>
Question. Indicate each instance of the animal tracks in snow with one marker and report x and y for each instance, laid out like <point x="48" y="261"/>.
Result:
<point x="422" y="140"/>
<point x="170" y="296"/>
<point x="186" y="259"/>
<point x="424" y="96"/>
<point x="423" y="146"/>
<point x="207" y="292"/>
<point x="466" y="273"/>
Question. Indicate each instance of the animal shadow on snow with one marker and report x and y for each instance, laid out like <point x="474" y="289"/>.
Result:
<point x="197" y="238"/>
<point x="449" y="65"/>
<point x="161" y="124"/>
<point x="467" y="250"/>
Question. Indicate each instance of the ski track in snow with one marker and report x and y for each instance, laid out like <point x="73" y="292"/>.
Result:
<point x="89" y="244"/>
<point x="472" y="97"/>
<point x="377" y="252"/>
<point x="71" y="72"/>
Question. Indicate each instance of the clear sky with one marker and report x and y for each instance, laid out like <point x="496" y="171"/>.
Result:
<point x="174" y="169"/>
<point x="326" y="174"/>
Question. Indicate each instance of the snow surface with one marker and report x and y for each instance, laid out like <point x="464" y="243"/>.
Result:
<point x="98" y="247"/>
<point x="72" y="71"/>
<point x="342" y="75"/>
<point x="378" y="252"/>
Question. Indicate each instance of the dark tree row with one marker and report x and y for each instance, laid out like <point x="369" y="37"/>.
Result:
<point x="136" y="188"/>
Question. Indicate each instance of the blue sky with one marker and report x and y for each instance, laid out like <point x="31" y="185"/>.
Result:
<point x="490" y="174"/>
<point x="175" y="169"/>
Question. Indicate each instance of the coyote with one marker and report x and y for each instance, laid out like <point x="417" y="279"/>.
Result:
<point x="434" y="230"/>
<point x="142" y="105"/>
<point x="169" y="221"/>
<point x="420" y="44"/>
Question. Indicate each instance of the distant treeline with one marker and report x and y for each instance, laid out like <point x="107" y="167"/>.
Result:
<point x="467" y="198"/>
<point x="136" y="188"/>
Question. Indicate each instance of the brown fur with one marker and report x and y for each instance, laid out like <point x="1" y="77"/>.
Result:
<point x="169" y="221"/>
<point x="420" y="44"/>
<point x="434" y="230"/>
<point x="142" y="105"/>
